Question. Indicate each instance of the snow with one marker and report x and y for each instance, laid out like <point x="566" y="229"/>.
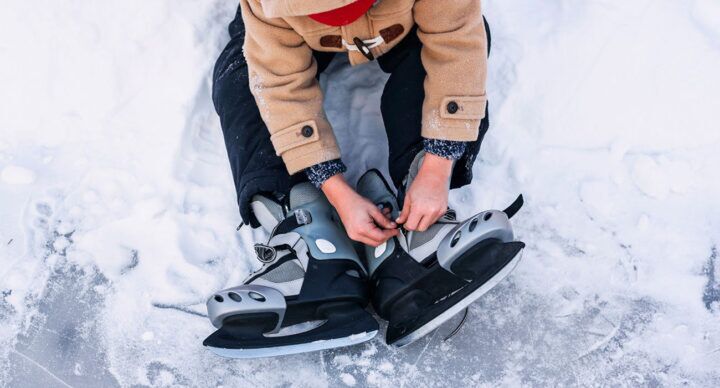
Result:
<point x="16" y="175"/>
<point x="117" y="212"/>
<point x="348" y="379"/>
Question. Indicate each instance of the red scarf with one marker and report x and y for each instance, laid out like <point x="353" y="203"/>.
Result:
<point x="344" y="15"/>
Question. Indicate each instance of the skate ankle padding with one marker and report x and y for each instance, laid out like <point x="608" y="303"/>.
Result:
<point x="313" y="218"/>
<point x="267" y="210"/>
<point x="373" y="186"/>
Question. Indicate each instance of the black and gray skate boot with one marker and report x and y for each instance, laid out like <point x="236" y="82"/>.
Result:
<point x="420" y="280"/>
<point x="310" y="294"/>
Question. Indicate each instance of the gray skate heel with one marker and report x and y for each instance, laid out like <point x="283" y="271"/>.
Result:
<point x="422" y="279"/>
<point x="310" y="294"/>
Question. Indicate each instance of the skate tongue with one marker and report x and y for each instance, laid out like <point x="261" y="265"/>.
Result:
<point x="269" y="210"/>
<point x="302" y="194"/>
<point x="373" y="186"/>
<point x="412" y="174"/>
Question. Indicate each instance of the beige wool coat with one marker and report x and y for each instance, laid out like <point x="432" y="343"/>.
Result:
<point x="278" y="48"/>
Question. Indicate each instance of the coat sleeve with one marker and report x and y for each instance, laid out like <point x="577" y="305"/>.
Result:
<point x="282" y="79"/>
<point x="454" y="55"/>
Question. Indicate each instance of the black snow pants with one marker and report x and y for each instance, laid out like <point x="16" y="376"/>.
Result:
<point x="256" y="168"/>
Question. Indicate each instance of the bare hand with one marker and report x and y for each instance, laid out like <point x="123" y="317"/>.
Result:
<point x="363" y="221"/>
<point x="427" y="198"/>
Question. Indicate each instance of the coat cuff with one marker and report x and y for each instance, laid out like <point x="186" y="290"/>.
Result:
<point x="321" y="172"/>
<point x="447" y="149"/>
<point x="457" y="118"/>
<point x="305" y="144"/>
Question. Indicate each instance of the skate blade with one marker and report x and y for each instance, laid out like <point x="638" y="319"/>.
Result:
<point x="294" y="349"/>
<point x="458" y="307"/>
<point x="296" y="329"/>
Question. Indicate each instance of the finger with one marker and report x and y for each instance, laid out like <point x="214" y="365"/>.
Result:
<point x="386" y="211"/>
<point x="405" y="211"/>
<point x="370" y="242"/>
<point x="365" y="240"/>
<point x="380" y="236"/>
<point x="375" y="234"/>
<point x="441" y="214"/>
<point x="413" y="220"/>
<point x="381" y="219"/>
<point x="388" y="234"/>
<point x="426" y="222"/>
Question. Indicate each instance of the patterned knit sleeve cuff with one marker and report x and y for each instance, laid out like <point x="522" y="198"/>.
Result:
<point x="321" y="172"/>
<point x="447" y="149"/>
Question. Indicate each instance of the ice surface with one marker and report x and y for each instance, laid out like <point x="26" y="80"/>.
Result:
<point x="117" y="213"/>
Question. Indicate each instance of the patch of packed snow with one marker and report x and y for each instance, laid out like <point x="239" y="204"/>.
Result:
<point x="16" y="175"/>
<point x="117" y="211"/>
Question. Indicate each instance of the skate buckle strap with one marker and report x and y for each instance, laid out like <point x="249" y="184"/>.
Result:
<point x="265" y="253"/>
<point x="302" y="217"/>
<point x="450" y="215"/>
<point x="268" y="253"/>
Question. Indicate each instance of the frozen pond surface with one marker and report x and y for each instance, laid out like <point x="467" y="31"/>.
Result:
<point x="117" y="213"/>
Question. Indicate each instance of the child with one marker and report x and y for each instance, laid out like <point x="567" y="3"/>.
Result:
<point x="435" y="112"/>
<point x="434" y="104"/>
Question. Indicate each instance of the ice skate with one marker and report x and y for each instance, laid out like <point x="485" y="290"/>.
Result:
<point x="422" y="279"/>
<point x="310" y="293"/>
